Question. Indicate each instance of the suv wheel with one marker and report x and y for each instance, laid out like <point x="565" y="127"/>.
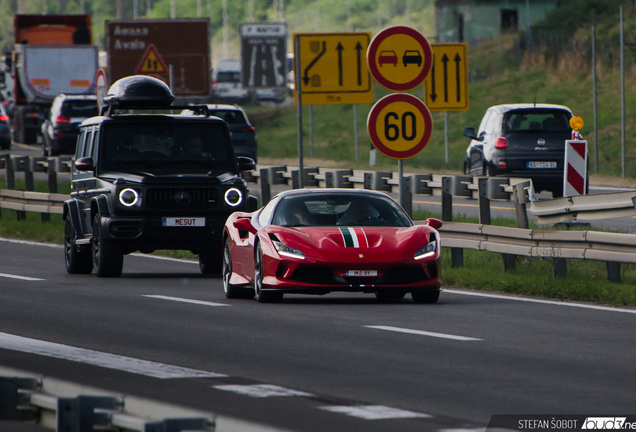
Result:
<point x="108" y="258"/>
<point x="210" y="262"/>
<point x="77" y="262"/>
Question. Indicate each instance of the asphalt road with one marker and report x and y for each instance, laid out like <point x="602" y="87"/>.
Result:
<point x="335" y="359"/>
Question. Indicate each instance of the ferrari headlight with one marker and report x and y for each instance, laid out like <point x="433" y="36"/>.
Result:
<point x="287" y="251"/>
<point x="128" y="197"/>
<point x="426" y="251"/>
<point x="233" y="197"/>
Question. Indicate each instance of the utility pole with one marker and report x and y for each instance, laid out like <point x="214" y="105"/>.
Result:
<point x="225" y="30"/>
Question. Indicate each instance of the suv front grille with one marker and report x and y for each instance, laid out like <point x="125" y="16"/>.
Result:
<point x="181" y="198"/>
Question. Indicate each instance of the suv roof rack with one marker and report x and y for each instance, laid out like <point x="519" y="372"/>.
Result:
<point x="203" y="110"/>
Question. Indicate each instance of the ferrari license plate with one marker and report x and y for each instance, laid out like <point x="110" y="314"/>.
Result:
<point x="541" y="164"/>
<point x="362" y="273"/>
<point x="183" y="222"/>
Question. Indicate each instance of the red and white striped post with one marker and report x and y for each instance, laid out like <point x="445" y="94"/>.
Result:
<point x="575" y="165"/>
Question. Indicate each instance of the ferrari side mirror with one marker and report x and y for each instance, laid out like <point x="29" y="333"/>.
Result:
<point x="434" y="223"/>
<point x="244" y="224"/>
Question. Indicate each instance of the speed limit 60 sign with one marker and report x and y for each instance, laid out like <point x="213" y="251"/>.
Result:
<point x="400" y="125"/>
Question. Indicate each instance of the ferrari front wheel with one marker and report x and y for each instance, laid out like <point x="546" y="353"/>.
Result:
<point x="262" y="296"/>
<point x="231" y="291"/>
<point x="425" y="296"/>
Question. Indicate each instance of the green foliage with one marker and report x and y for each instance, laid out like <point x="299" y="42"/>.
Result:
<point x="585" y="281"/>
<point x="574" y="14"/>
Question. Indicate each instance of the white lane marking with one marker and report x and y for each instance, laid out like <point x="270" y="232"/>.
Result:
<point x="374" y="412"/>
<point x="166" y="258"/>
<point x="550" y="302"/>
<point x="182" y="300"/>
<point x="101" y="359"/>
<point x="26" y="278"/>
<point x="261" y="390"/>
<point x="30" y="243"/>
<point x="424" y="333"/>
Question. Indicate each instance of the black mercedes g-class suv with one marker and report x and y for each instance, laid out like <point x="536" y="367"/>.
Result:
<point x="148" y="181"/>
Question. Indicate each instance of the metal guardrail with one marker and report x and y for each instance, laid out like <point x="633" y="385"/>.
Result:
<point x="613" y="248"/>
<point x="559" y="245"/>
<point x="62" y="406"/>
<point x="32" y="201"/>
<point x="585" y="208"/>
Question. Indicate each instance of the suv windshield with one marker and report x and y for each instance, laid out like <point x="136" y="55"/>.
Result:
<point x="80" y="108"/>
<point x="193" y="147"/>
<point x="536" y="120"/>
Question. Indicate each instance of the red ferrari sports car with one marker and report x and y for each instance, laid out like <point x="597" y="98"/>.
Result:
<point x="315" y="241"/>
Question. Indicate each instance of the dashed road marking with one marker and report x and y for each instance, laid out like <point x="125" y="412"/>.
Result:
<point x="374" y="412"/>
<point x="182" y="300"/>
<point x="26" y="278"/>
<point x="425" y="333"/>
<point x="261" y="390"/>
<point x="101" y="359"/>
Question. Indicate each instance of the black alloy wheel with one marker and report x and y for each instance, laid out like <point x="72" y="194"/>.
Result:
<point x="108" y="258"/>
<point x="76" y="261"/>
<point x="262" y="296"/>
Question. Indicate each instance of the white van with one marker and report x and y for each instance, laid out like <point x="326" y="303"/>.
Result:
<point x="226" y="81"/>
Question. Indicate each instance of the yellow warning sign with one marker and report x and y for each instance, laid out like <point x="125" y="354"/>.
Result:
<point x="151" y="63"/>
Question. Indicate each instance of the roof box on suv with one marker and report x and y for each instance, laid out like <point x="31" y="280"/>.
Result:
<point x="139" y="91"/>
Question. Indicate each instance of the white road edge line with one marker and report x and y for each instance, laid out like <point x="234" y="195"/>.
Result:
<point x="425" y="333"/>
<point x="182" y="300"/>
<point x="550" y="302"/>
<point x="101" y="359"/>
<point x="26" y="278"/>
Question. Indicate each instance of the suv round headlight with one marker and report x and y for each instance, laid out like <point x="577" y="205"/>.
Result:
<point x="128" y="197"/>
<point x="233" y="197"/>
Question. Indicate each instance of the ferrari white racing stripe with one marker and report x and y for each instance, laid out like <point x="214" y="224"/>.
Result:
<point x="182" y="300"/>
<point x="26" y="278"/>
<point x="374" y="412"/>
<point x="261" y="390"/>
<point x="425" y="333"/>
<point x="101" y="359"/>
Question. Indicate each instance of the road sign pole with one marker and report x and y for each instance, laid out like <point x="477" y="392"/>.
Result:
<point x="355" y="131"/>
<point x="446" y="135"/>
<point x="311" y="131"/>
<point x="401" y="181"/>
<point x="301" y="180"/>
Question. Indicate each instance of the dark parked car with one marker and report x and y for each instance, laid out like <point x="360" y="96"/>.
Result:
<point x="5" y="129"/>
<point x="521" y="140"/>
<point x="144" y="181"/>
<point x="241" y="130"/>
<point x="61" y="127"/>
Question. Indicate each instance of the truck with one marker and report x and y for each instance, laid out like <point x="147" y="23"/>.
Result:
<point x="53" y="54"/>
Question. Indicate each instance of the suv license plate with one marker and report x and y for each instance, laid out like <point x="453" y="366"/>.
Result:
<point x="541" y="164"/>
<point x="183" y="222"/>
<point x="361" y="273"/>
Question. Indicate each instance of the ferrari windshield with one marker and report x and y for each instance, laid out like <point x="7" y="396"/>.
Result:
<point x="166" y="147"/>
<point x="344" y="209"/>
